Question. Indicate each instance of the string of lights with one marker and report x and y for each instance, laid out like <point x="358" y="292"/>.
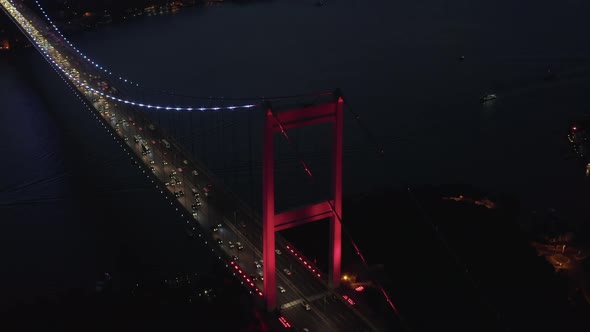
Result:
<point x="84" y="56"/>
<point x="368" y="133"/>
<point x="44" y="49"/>
<point x="135" y="84"/>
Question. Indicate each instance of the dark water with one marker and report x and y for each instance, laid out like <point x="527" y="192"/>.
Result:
<point x="71" y="212"/>
<point x="397" y="65"/>
<point x="72" y="207"/>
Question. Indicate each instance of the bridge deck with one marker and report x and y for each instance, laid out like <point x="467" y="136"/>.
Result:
<point x="212" y="212"/>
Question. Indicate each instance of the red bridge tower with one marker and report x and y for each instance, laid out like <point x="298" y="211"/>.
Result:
<point x="271" y="221"/>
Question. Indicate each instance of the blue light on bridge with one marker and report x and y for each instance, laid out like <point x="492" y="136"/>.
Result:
<point x="216" y="108"/>
<point x="72" y="45"/>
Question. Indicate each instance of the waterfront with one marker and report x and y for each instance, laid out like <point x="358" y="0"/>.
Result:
<point x="424" y="109"/>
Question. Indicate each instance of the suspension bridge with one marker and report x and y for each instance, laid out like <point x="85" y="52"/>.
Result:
<point x="275" y="272"/>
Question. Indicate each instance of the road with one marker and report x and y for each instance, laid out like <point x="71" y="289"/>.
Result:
<point x="216" y="214"/>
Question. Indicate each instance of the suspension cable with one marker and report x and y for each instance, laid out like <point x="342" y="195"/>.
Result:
<point x="162" y="91"/>
<point x="369" y="135"/>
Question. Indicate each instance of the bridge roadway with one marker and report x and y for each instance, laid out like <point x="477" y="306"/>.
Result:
<point x="220" y="217"/>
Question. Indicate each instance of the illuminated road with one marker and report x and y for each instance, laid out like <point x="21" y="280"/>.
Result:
<point x="212" y="213"/>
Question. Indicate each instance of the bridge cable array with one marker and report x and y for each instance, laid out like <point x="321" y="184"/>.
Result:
<point x="368" y="133"/>
<point x="166" y="92"/>
<point x="127" y="101"/>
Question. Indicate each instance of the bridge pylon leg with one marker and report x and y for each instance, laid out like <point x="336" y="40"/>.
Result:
<point x="268" y="214"/>
<point x="335" y="222"/>
<point x="331" y="209"/>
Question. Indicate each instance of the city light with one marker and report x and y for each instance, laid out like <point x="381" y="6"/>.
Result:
<point x="35" y="34"/>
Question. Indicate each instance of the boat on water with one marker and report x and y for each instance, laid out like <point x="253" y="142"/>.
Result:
<point x="489" y="97"/>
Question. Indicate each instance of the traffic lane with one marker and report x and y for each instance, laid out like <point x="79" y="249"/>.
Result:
<point x="283" y="261"/>
<point x="306" y="283"/>
<point x="311" y="299"/>
<point x="255" y="228"/>
<point x="298" y="268"/>
<point x="299" y="282"/>
<point x="341" y="316"/>
<point x="163" y="172"/>
<point x="246" y="264"/>
<point x="292" y="287"/>
<point x="247" y="261"/>
<point x="290" y="295"/>
<point x="244" y="258"/>
<point x="293" y="290"/>
<point x="113" y="120"/>
<point x="323" y="314"/>
<point x="329" y="306"/>
<point x="301" y="318"/>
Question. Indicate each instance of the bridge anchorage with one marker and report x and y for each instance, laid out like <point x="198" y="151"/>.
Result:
<point x="272" y="222"/>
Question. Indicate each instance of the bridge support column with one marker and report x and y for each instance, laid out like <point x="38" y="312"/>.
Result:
<point x="331" y="209"/>
<point x="268" y="213"/>
<point x="335" y="224"/>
